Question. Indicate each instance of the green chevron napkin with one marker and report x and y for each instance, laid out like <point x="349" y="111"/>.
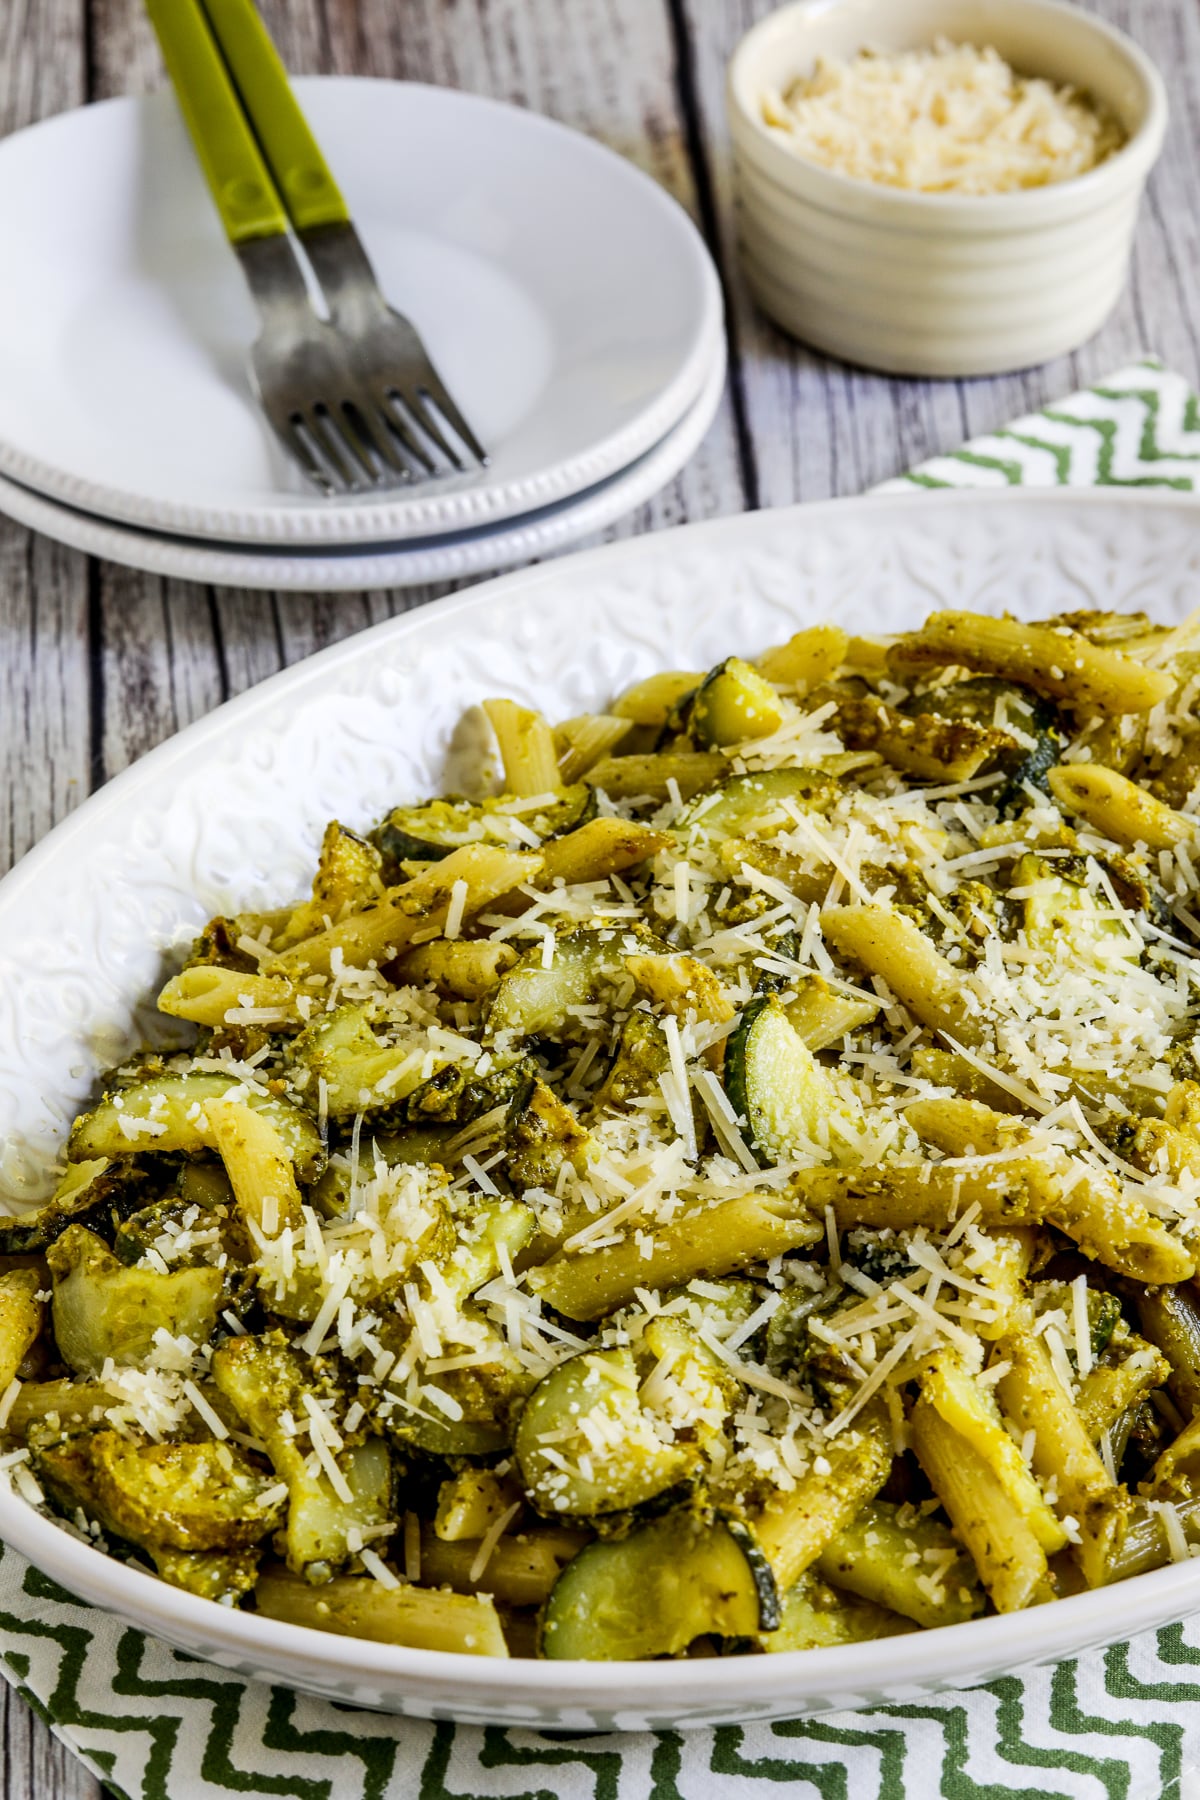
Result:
<point x="1119" y="1724"/>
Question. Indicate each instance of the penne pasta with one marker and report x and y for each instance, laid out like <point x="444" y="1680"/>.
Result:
<point x="890" y="946"/>
<point x="1118" y="808"/>
<point x="807" y="659"/>
<point x="527" y="748"/>
<point x="794" y="1531"/>
<point x="207" y="994"/>
<point x="414" y="913"/>
<point x="1011" y="1562"/>
<point x="1033" y="1395"/>
<point x="1050" y="659"/>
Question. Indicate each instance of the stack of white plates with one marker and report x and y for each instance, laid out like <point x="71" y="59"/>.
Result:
<point x="568" y="302"/>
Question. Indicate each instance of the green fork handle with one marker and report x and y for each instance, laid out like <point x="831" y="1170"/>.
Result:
<point x="301" y="173"/>
<point x="233" y="165"/>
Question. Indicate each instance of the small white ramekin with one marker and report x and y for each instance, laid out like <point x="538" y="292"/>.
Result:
<point x="939" y="284"/>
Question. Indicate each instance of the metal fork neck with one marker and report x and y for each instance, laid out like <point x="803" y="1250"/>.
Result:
<point x="274" y="276"/>
<point x="343" y="270"/>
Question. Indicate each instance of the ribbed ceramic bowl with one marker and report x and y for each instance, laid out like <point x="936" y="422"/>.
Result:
<point x="939" y="284"/>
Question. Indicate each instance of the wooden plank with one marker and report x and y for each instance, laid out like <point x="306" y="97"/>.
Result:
<point x="821" y="429"/>
<point x="45" y="736"/>
<point x="34" y="1765"/>
<point x="44" y="746"/>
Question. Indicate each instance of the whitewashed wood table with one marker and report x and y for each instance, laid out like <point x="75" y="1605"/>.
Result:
<point x="97" y="663"/>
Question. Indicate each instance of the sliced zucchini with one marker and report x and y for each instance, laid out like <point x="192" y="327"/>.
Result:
<point x="788" y="1345"/>
<point x="734" y="1303"/>
<point x="103" y="1309"/>
<point x="420" y="1146"/>
<point x="657" y="775"/>
<point x="166" y="1113"/>
<point x="641" y="1056"/>
<point x="888" y="1555"/>
<point x="735" y="854"/>
<point x="430" y="832"/>
<point x="1031" y="718"/>
<point x="206" y="1185"/>
<point x="684" y="1384"/>
<point x="1060" y="909"/>
<point x="984" y="700"/>
<point x="925" y="745"/>
<point x="348" y="877"/>
<point x="533" y="999"/>
<point x="476" y="1419"/>
<point x="585" y="1445"/>
<point x="427" y="833"/>
<point x="137" y="1235"/>
<point x="542" y="1134"/>
<point x="755" y="803"/>
<point x="496" y="1233"/>
<point x="733" y="703"/>
<point x="67" y="1471"/>
<point x="225" y="1576"/>
<point x="654" y="1592"/>
<point x="815" y="1616"/>
<point x="360" y="1073"/>
<point x="203" y="1496"/>
<point x="776" y="1085"/>
<point x="438" y="1436"/>
<point x="577" y="806"/>
<point x="453" y="1095"/>
<point x="90" y="1193"/>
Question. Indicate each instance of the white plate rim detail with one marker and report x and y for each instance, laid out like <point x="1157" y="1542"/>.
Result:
<point x="425" y="511"/>
<point x="407" y="565"/>
<point x="1034" y="539"/>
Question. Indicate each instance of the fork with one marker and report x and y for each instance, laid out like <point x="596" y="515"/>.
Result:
<point x="354" y="399"/>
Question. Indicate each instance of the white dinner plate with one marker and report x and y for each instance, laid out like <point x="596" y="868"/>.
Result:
<point x="406" y="564"/>
<point x="567" y="300"/>
<point x="229" y="814"/>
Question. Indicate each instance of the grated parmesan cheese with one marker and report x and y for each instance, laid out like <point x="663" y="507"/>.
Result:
<point x="954" y="119"/>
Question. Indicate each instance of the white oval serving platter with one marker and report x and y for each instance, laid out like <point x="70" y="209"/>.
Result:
<point x="230" y="813"/>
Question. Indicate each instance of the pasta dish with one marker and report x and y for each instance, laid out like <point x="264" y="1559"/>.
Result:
<point x="733" y="1188"/>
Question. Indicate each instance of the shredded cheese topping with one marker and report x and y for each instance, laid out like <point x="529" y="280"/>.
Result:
<point x="955" y="119"/>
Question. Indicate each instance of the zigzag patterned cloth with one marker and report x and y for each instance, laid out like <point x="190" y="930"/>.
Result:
<point x="1122" y="1724"/>
<point x="1140" y="428"/>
